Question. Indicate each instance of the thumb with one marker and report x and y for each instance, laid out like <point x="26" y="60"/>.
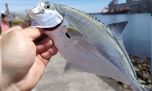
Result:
<point x="32" y="32"/>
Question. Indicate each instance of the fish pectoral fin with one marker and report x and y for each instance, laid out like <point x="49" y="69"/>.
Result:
<point x="73" y="32"/>
<point x="71" y="28"/>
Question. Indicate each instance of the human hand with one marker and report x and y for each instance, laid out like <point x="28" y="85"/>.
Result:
<point x="23" y="61"/>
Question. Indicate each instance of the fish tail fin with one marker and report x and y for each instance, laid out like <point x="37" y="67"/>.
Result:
<point x="139" y="87"/>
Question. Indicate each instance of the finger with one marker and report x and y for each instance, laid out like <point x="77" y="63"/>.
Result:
<point x="49" y="53"/>
<point x="54" y="50"/>
<point x="44" y="45"/>
<point x="42" y="37"/>
<point x="46" y="55"/>
<point x="32" y="33"/>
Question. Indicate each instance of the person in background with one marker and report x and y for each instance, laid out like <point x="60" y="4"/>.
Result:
<point x="4" y="23"/>
<point x="10" y="19"/>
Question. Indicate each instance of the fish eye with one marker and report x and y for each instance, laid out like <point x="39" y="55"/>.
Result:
<point x="67" y="35"/>
<point x="47" y="6"/>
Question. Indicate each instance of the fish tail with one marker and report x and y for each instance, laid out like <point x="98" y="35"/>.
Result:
<point x="139" y="87"/>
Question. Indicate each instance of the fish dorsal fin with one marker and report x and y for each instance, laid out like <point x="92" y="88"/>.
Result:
<point x="117" y="29"/>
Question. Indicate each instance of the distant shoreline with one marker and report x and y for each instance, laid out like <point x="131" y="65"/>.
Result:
<point x="116" y="13"/>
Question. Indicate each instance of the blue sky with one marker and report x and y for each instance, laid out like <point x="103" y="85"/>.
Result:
<point x="84" y="5"/>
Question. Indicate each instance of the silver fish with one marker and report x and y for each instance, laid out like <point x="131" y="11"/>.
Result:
<point x="85" y="43"/>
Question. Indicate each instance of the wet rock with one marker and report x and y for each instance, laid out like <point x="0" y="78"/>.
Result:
<point x="142" y="68"/>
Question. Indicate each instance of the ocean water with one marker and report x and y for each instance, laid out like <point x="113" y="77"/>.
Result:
<point x="137" y="35"/>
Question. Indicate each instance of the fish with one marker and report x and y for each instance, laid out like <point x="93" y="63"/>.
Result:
<point x="86" y="44"/>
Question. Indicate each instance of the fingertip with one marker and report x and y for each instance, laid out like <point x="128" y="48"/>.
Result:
<point x="46" y="55"/>
<point x="49" y="53"/>
<point x="44" y="45"/>
<point x="54" y="50"/>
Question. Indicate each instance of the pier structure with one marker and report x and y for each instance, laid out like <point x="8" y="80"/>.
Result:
<point x="130" y="6"/>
